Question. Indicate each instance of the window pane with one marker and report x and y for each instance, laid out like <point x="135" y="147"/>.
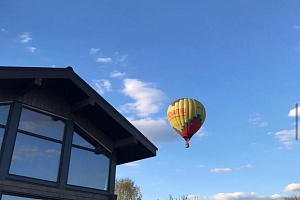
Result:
<point x="78" y="140"/>
<point x="35" y="157"/>
<point x="88" y="169"/>
<point x="4" y="110"/>
<point x="8" y="197"/>
<point x="1" y="136"/>
<point x="41" y="124"/>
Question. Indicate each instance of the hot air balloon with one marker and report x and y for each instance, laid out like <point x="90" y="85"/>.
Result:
<point x="186" y="116"/>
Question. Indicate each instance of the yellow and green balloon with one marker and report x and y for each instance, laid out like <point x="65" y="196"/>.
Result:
<point x="186" y="116"/>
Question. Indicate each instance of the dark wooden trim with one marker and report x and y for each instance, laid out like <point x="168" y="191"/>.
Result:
<point x="125" y="142"/>
<point x="112" y="174"/>
<point x="37" y="82"/>
<point x="25" y="189"/>
<point x="82" y="104"/>
<point x="9" y="139"/>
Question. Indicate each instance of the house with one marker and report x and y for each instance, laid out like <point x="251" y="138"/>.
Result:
<point x="59" y="138"/>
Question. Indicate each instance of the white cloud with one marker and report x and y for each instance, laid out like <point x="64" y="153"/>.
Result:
<point x="295" y="27"/>
<point x="156" y="130"/>
<point x="227" y="196"/>
<point x="25" y="37"/>
<point x="245" y="196"/>
<point x="31" y="49"/>
<point x="3" y="30"/>
<point x="201" y="166"/>
<point x="292" y="112"/>
<point x="115" y="74"/>
<point x="102" y="86"/>
<point x="104" y="59"/>
<point x="93" y="51"/>
<point x="286" y="137"/>
<point x="148" y="99"/>
<point x="221" y="170"/>
<point x="292" y="187"/>
<point x="132" y="164"/>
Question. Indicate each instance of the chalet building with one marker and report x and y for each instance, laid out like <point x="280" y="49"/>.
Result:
<point x="59" y="138"/>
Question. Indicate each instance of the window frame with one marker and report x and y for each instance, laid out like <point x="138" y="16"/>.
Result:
<point x="5" y="127"/>
<point x="87" y="136"/>
<point x="70" y="127"/>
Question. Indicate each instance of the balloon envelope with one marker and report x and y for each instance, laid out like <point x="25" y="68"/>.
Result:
<point x="186" y="116"/>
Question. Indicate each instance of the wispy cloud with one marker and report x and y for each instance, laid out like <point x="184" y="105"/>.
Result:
<point x="258" y="121"/>
<point x="104" y="59"/>
<point x="295" y="27"/>
<point x="3" y="30"/>
<point x="94" y="51"/>
<point x="147" y="99"/>
<point x="116" y="74"/>
<point x="25" y="37"/>
<point x="221" y="170"/>
<point x="244" y="166"/>
<point x="286" y="137"/>
<point x="102" y="86"/>
<point x="161" y="133"/>
<point x="294" y="187"/>
<point x="30" y="49"/>
<point x="201" y="133"/>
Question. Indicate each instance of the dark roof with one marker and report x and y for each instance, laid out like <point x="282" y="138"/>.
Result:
<point x="74" y="90"/>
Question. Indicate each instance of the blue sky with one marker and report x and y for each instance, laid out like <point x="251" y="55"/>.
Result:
<point x="241" y="59"/>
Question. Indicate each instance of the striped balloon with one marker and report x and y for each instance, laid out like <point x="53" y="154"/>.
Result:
<point x="186" y="116"/>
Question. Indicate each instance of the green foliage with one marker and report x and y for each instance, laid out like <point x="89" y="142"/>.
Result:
<point x="127" y="190"/>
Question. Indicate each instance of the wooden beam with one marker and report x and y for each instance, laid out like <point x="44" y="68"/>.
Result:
<point x="101" y="150"/>
<point x="82" y="104"/>
<point x="37" y="82"/>
<point x="125" y="142"/>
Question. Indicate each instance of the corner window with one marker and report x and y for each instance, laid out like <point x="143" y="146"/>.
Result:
<point x="38" y="146"/>
<point x="84" y="161"/>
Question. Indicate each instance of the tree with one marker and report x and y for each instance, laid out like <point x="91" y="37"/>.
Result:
<point x="126" y="189"/>
<point x="294" y="197"/>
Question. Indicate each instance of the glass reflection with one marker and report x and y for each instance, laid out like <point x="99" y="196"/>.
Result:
<point x="1" y="136"/>
<point x="78" y="140"/>
<point x="8" y="197"/>
<point x="41" y="124"/>
<point x="35" y="157"/>
<point x="88" y="169"/>
<point x="4" y="110"/>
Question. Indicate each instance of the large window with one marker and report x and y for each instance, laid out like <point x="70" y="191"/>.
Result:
<point x="38" y="146"/>
<point x="4" y="111"/>
<point x="86" y="168"/>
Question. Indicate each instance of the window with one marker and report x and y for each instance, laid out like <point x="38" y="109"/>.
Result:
<point x="38" y="146"/>
<point x="4" y="111"/>
<point x="84" y="161"/>
<point x="8" y="197"/>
